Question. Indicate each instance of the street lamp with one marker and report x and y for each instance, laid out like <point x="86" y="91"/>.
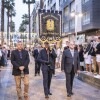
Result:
<point x="76" y="15"/>
<point x="29" y="2"/>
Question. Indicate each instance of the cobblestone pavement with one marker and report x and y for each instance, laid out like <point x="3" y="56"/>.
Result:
<point x="82" y="91"/>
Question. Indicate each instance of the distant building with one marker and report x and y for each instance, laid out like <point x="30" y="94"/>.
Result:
<point x="34" y="18"/>
<point x="51" y="4"/>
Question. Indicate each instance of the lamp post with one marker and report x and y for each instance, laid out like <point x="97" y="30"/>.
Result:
<point x="76" y="15"/>
<point x="29" y="2"/>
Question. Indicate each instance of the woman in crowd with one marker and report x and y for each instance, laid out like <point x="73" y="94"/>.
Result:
<point x="88" y="57"/>
<point x="1" y="57"/>
<point x="98" y="54"/>
<point x="58" y="58"/>
<point x="81" y="56"/>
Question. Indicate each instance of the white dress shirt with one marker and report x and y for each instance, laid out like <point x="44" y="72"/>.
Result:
<point x="72" y="52"/>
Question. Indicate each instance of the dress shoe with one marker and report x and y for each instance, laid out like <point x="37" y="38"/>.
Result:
<point x="68" y="95"/>
<point x="26" y="98"/>
<point x="72" y="93"/>
<point x="35" y="75"/>
<point x="46" y="96"/>
<point x="19" y="98"/>
<point x="50" y="93"/>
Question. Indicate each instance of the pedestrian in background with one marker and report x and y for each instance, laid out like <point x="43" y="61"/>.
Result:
<point x="8" y="54"/>
<point x="1" y="57"/>
<point x="35" y="55"/>
<point x="98" y="54"/>
<point x="88" y="57"/>
<point x="5" y="52"/>
<point x="20" y="61"/>
<point x="81" y="57"/>
<point x="58" y="52"/>
<point x="55" y="50"/>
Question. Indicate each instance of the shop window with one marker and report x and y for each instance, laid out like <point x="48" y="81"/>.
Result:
<point x="72" y="23"/>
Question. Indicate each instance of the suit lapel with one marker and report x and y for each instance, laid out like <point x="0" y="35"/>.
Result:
<point x="74" y="53"/>
<point x="70" y="52"/>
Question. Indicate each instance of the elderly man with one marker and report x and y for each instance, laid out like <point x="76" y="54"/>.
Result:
<point x="70" y="65"/>
<point x="20" y="61"/>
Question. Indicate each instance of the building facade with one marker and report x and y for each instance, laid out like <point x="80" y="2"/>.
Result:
<point x="51" y="4"/>
<point x="86" y="25"/>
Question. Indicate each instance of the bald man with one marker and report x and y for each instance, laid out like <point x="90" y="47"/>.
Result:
<point x="20" y="61"/>
<point x="70" y="65"/>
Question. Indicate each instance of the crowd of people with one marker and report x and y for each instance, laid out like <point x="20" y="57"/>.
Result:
<point x="4" y="56"/>
<point x="89" y="55"/>
<point x="71" y="59"/>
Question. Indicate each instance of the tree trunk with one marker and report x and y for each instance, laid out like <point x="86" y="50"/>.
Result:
<point x="8" y="27"/>
<point x="29" y="24"/>
<point x="2" y="22"/>
<point x="11" y="24"/>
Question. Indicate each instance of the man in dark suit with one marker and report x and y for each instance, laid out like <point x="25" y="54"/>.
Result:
<point x="20" y="61"/>
<point x="35" y="55"/>
<point x="46" y="57"/>
<point x="70" y="64"/>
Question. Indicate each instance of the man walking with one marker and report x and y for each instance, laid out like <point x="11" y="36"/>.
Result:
<point x="20" y="61"/>
<point x="46" y="57"/>
<point x="70" y="65"/>
<point x="35" y="55"/>
<point x="5" y="52"/>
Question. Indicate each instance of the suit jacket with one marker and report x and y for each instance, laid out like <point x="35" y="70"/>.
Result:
<point x="43" y="59"/>
<point x="35" y="53"/>
<point x="17" y="62"/>
<point x="68" y="61"/>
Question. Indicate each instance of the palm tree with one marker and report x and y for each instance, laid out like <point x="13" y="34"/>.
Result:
<point x="25" y="21"/>
<point x="2" y="22"/>
<point x="29" y="2"/>
<point x="9" y="5"/>
<point x="12" y="13"/>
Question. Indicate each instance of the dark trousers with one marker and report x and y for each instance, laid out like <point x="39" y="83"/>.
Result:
<point x="47" y="76"/>
<point x="54" y="68"/>
<point x="37" y="67"/>
<point x="69" y="80"/>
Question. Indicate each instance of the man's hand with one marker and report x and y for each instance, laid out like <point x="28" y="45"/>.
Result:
<point x="21" y="68"/>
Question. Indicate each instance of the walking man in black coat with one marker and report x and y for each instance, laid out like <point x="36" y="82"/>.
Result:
<point x="70" y="65"/>
<point x="20" y="61"/>
<point x="35" y="55"/>
<point x="47" y="57"/>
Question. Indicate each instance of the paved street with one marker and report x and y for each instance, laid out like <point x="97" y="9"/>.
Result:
<point x="82" y="91"/>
